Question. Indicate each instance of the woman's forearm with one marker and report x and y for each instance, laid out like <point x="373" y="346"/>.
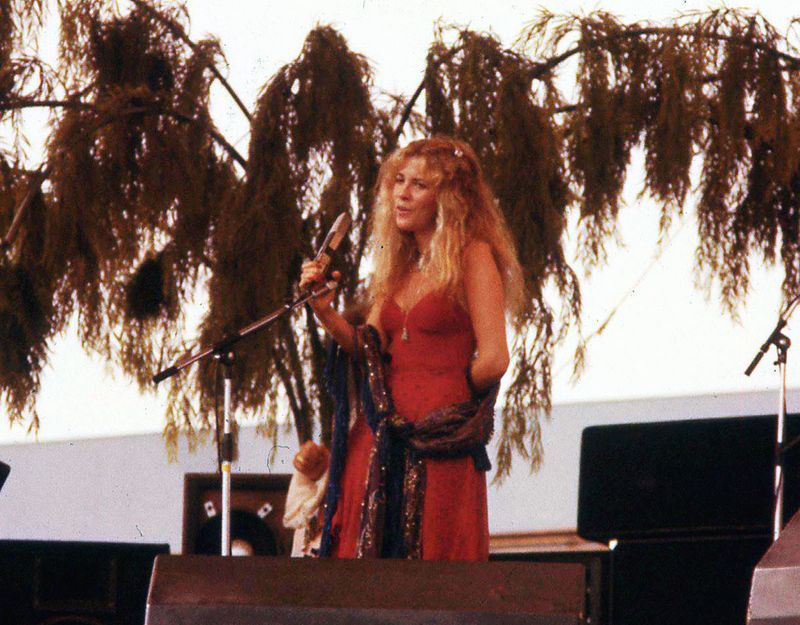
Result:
<point x="337" y="327"/>
<point x="486" y="370"/>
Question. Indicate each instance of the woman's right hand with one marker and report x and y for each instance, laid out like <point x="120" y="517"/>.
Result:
<point x="312" y="275"/>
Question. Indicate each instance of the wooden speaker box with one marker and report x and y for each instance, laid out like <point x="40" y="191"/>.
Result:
<point x="257" y="506"/>
<point x="205" y="590"/>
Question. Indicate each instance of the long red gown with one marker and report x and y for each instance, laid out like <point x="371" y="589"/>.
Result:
<point x="424" y="373"/>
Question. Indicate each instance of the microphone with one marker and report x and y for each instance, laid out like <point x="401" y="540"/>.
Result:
<point x="332" y="240"/>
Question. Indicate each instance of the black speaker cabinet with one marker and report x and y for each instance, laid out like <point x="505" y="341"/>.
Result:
<point x="709" y="477"/>
<point x="257" y="506"/>
<point x="74" y="583"/>
<point x="686" y="581"/>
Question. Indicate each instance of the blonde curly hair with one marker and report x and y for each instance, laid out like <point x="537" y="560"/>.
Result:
<point x="466" y="211"/>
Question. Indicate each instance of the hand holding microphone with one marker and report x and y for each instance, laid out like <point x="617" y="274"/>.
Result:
<point x="313" y="272"/>
<point x="313" y="275"/>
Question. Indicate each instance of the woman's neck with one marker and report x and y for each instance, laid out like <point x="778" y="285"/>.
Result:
<point x="423" y="241"/>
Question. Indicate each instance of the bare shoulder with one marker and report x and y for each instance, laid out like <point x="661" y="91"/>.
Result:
<point x="479" y="258"/>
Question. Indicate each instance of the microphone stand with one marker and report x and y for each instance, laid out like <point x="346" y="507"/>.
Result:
<point x="782" y="344"/>
<point x="223" y="352"/>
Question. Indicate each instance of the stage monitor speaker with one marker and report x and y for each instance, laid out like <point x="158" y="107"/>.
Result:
<point x="686" y="581"/>
<point x="74" y="583"/>
<point x="683" y="478"/>
<point x="775" y="594"/>
<point x="596" y="573"/>
<point x="195" y="590"/>
<point x="257" y="506"/>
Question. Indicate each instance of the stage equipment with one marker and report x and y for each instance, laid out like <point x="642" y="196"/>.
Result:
<point x="593" y="557"/>
<point x="74" y="583"/>
<point x="782" y="344"/>
<point x="257" y="506"/>
<point x="682" y="478"/>
<point x="775" y="594"/>
<point x="4" y="471"/>
<point x="693" y="580"/>
<point x="688" y="507"/>
<point x="222" y="351"/>
<point x="285" y="591"/>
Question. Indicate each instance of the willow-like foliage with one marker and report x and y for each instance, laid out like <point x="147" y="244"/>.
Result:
<point x="25" y="302"/>
<point x="720" y="86"/>
<point x="135" y="181"/>
<point x="482" y="93"/>
<point x="143" y="205"/>
<point x="21" y="75"/>
<point x="313" y="154"/>
<point x="748" y="204"/>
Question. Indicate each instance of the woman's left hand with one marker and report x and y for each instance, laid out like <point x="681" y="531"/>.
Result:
<point x="312" y="460"/>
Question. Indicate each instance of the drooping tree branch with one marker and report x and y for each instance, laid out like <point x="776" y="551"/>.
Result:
<point x="75" y="103"/>
<point x="34" y="186"/>
<point x="546" y="65"/>
<point x="178" y="31"/>
<point x="139" y="207"/>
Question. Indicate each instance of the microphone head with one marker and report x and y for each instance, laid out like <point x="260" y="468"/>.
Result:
<point x="334" y="236"/>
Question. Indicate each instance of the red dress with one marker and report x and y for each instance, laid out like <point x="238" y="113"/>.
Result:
<point x="424" y="373"/>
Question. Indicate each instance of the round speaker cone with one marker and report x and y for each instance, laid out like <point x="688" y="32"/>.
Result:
<point x="250" y="535"/>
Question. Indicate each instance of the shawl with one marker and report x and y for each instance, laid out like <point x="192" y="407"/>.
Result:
<point x="393" y="502"/>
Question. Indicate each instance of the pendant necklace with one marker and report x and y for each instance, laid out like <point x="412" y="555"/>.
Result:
<point x="404" y="334"/>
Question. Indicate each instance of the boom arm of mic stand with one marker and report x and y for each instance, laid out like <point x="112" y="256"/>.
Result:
<point x="765" y="347"/>
<point x="229" y="341"/>
<point x="776" y="333"/>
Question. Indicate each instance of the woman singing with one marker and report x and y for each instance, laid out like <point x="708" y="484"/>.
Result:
<point x="408" y="463"/>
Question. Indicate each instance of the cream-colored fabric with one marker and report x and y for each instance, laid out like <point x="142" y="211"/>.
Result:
<point x="303" y="501"/>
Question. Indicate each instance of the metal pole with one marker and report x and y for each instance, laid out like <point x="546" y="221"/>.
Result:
<point x="227" y="453"/>
<point x="782" y="343"/>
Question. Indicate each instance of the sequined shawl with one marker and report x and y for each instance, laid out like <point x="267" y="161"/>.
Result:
<point x="393" y="505"/>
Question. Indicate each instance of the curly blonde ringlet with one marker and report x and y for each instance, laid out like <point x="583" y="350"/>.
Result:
<point x="466" y="211"/>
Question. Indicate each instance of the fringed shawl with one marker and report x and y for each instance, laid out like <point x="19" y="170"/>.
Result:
<point x="393" y="504"/>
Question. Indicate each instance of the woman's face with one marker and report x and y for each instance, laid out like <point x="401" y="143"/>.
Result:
<point x="414" y="198"/>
